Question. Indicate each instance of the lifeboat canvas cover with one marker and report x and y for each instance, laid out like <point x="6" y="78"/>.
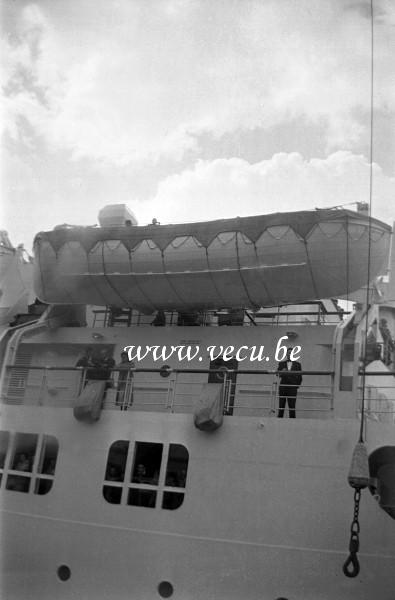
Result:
<point x="243" y="262"/>
<point x="209" y="407"/>
<point x="88" y="405"/>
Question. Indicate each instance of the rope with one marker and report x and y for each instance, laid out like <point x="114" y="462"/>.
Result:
<point x="358" y="477"/>
<point x="370" y="223"/>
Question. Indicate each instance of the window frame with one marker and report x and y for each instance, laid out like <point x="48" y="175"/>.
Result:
<point x="159" y="489"/>
<point x="35" y="475"/>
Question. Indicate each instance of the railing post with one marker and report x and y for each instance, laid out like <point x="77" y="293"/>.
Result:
<point x="226" y="390"/>
<point x="332" y="392"/>
<point x="43" y="386"/>
<point x="273" y="397"/>
<point x="130" y="384"/>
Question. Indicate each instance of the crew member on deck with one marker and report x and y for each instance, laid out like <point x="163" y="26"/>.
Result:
<point x="160" y="319"/>
<point x="290" y="380"/>
<point x="86" y="361"/>
<point x="104" y="366"/>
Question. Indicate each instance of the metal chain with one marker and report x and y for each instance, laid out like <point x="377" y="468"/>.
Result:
<point x="351" y="566"/>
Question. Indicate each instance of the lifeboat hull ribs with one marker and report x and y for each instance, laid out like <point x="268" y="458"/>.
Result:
<point x="243" y="262"/>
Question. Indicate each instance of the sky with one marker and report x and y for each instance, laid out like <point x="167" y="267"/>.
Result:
<point x="188" y="110"/>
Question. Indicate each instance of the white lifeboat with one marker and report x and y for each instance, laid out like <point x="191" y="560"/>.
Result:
<point x="247" y="262"/>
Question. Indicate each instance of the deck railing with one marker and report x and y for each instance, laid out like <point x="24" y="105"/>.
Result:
<point x="104" y="317"/>
<point x="379" y="401"/>
<point x="245" y="392"/>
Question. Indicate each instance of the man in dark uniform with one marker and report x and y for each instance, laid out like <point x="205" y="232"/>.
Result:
<point x="104" y="366"/>
<point x="86" y="361"/>
<point x="290" y="380"/>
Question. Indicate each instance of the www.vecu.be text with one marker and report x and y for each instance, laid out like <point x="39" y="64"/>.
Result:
<point x="190" y="352"/>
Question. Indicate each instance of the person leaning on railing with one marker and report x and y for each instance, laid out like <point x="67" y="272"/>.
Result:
<point x="102" y="368"/>
<point x="86" y="361"/>
<point x="98" y="368"/>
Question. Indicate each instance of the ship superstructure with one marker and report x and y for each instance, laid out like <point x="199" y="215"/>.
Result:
<point x="129" y="499"/>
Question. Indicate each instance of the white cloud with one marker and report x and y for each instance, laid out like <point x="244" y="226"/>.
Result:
<point x="229" y="188"/>
<point x="209" y="190"/>
<point x="127" y="80"/>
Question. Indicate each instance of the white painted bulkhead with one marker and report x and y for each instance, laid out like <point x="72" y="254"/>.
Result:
<point x="266" y="512"/>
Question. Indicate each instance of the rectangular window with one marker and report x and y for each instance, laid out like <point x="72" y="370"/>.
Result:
<point x="145" y="472"/>
<point x="32" y="461"/>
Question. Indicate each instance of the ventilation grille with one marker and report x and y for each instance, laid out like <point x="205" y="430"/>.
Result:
<point x="18" y="377"/>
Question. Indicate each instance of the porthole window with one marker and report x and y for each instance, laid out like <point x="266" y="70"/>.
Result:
<point x="64" y="573"/>
<point x="165" y="589"/>
<point x="146" y="474"/>
<point x="28" y="461"/>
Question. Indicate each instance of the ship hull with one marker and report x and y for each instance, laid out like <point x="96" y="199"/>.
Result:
<point x="264" y="516"/>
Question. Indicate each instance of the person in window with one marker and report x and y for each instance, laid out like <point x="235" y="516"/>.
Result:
<point x="50" y="467"/>
<point x="140" y="475"/>
<point x="18" y="483"/>
<point x="172" y="479"/>
<point x="124" y="375"/>
<point x="143" y="497"/>
<point x="113" y="474"/>
<point x="23" y="463"/>
<point x="290" y="380"/>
